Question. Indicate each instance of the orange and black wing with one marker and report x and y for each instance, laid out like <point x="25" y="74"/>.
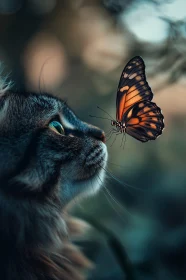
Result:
<point x="144" y="121"/>
<point x="132" y="87"/>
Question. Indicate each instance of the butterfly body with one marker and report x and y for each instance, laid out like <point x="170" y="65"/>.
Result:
<point x="136" y="115"/>
<point x="121" y="127"/>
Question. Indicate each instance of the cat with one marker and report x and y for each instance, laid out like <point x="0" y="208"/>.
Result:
<point x="48" y="158"/>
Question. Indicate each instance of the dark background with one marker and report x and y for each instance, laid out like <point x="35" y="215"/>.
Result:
<point x="77" y="49"/>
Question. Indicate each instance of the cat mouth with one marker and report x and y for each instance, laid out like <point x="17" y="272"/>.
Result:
<point x="91" y="172"/>
<point x="94" y="163"/>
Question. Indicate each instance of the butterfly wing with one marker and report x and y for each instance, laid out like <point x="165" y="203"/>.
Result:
<point x="132" y="87"/>
<point x="144" y="121"/>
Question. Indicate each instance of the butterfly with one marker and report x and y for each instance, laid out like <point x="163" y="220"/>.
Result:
<point x="136" y="115"/>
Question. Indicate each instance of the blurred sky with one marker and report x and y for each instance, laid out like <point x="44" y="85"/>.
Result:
<point x="146" y="22"/>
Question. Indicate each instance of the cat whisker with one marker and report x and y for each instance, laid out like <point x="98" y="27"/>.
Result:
<point x="42" y="68"/>
<point x="119" y="209"/>
<point x="119" y="181"/>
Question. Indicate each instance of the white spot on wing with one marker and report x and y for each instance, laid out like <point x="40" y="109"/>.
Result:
<point x="132" y="76"/>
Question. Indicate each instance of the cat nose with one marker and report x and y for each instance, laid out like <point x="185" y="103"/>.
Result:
<point x="103" y="138"/>
<point x="98" y="134"/>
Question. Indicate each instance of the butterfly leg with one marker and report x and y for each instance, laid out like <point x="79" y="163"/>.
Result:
<point x="107" y="134"/>
<point x="110" y="136"/>
<point x="122" y="140"/>
<point x="115" y="138"/>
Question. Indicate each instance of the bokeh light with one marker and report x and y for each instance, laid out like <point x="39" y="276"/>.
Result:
<point x="77" y="50"/>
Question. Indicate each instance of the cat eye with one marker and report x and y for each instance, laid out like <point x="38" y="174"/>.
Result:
<point x="56" y="127"/>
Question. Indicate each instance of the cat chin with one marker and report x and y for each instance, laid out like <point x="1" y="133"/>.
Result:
<point x="93" y="184"/>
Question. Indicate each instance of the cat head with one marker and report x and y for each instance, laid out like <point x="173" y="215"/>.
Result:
<point x="48" y="157"/>
<point x="46" y="150"/>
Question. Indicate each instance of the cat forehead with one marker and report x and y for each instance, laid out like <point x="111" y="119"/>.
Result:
<point x="68" y="118"/>
<point x="46" y="102"/>
<point x="39" y="106"/>
<point x="32" y="102"/>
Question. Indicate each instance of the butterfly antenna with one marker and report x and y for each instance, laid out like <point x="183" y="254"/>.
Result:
<point x="124" y="140"/>
<point x="105" y="112"/>
<point x="100" y="117"/>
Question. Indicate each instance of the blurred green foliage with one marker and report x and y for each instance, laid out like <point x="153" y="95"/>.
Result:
<point x="77" y="50"/>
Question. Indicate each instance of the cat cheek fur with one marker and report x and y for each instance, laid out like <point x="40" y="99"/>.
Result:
<point x="76" y="164"/>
